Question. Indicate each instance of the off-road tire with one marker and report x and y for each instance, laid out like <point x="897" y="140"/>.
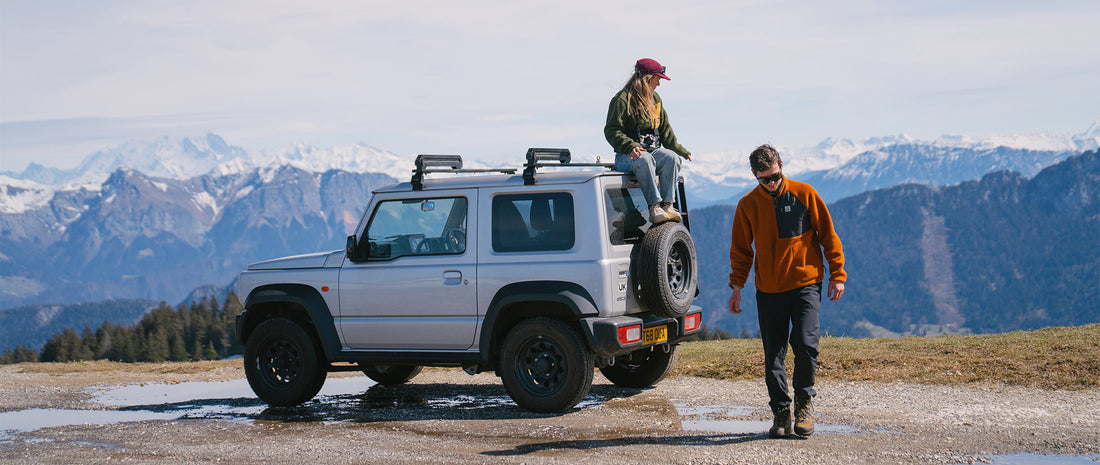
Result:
<point x="544" y="366"/>
<point x="283" y="364"/>
<point x="668" y="272"/>
<point x="390" y="375"/>
<point x="642" y="368"/>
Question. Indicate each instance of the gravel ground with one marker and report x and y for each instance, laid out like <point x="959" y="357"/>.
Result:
<point x="445" y="416"/>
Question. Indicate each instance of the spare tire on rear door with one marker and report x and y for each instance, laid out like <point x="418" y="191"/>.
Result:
<point x="667" y="271"/>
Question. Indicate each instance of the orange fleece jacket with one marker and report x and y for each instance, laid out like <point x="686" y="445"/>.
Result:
<point x="788" y="231"/>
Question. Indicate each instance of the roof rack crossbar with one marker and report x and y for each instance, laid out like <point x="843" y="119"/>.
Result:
<point x="446" y="164"/>
<point x="538" y="157"/>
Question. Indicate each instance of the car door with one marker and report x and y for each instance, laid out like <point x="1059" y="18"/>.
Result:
<point x="417" y="288"/>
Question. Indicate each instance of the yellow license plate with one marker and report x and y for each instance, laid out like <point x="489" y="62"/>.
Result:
<point x="655" y="335"/>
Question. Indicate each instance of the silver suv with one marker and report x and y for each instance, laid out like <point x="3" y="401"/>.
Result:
<point x="538" y="276"/>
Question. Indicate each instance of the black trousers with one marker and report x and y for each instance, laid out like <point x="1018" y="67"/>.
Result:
<point x="790" y="316"/>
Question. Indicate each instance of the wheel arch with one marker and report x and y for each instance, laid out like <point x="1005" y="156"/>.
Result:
<point x="296" y="302"/>
<point x="561" y="300"/>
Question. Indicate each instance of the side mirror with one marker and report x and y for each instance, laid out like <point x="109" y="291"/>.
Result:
<point x="353" y="251"/>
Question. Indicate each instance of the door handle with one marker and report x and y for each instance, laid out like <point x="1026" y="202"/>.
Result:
<point x="452" y="277"/>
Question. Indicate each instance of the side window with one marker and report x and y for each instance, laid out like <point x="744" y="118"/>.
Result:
<point x="417" y="227"/>
<point x="533" y="222"/>
<point x="627" y="215"/>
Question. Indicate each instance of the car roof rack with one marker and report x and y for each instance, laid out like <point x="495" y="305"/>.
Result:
<point x="544" y="157"/>
<point x="446" y="164"/>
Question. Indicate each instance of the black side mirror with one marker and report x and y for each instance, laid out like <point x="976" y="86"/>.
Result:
<point x="353" y="251"/>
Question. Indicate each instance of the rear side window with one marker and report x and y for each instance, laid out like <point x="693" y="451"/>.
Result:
<point x="627" y="215"/>
<point x="533" y="222"/>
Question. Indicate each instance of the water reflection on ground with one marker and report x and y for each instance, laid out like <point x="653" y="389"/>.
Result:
<point x="732" y="419"/>
<point x="345" y="399"/>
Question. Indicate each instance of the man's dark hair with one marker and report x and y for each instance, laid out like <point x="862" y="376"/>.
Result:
<point x="763" y="158"/>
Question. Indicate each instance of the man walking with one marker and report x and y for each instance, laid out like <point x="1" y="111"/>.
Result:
<point x="789" y="225"/>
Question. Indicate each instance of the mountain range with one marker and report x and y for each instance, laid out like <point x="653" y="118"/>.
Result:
<point x="1002" y="253"/>
<point x="159" y="219"/>
<point x="141" y="237"/>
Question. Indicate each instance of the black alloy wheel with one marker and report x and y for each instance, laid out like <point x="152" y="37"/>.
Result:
<point x="282" y="363"/>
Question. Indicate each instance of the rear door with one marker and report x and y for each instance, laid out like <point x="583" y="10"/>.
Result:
<point x="417" y="289"/>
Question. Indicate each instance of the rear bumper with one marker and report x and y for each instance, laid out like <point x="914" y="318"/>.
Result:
<point x="603" y="333"/>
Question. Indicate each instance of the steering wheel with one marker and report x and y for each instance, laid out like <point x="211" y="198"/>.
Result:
<point x="455" y="240"/>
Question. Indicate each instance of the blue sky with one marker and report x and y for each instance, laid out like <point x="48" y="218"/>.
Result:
<point x="489" y="79"/>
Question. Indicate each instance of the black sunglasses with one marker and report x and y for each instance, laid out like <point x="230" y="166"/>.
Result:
<point x="770" y="179"/>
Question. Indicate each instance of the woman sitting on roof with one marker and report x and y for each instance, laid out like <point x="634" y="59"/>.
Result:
<point x="637" y="128"/>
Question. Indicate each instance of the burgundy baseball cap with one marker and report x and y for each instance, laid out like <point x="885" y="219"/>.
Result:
<point x="650" y="66"/>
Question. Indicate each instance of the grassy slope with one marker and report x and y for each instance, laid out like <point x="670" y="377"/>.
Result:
<point x="1052" y="358"/>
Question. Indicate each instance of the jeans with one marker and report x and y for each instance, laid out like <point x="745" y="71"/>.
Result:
<point x="795" y="311"/>
<point x="657" y="172"/>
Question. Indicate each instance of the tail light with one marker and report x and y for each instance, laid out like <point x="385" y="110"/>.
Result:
<point x="691" y="322"/>
<point x="630" y="334"/>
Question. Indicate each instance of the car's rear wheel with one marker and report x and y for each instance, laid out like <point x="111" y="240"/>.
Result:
<point x="642" y="368"/>
<point x="544" y="365"/>
<point x="389" y="375"/>
<point x="282" y="363"/>
<point x="668" y="271"/>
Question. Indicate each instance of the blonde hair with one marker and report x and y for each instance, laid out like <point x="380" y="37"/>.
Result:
<point x="639" y="99"/>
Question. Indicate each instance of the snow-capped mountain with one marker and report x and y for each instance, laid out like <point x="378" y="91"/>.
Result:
<point x="138" y="236"/>
<point x="841" y="167"/>
<point x="166" y="157"/>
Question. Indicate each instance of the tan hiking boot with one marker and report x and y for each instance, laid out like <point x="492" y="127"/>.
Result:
<point x="658" y="215"/>
<point x="803" y="415"/>
<point x="781" y="427"/>
<point x="672" y="213"/>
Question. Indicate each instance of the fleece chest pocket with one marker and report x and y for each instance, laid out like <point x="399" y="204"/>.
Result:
<point x="791" y="217"/>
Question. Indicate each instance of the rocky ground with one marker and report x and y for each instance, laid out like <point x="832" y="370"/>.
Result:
<point x="446" y="416"/>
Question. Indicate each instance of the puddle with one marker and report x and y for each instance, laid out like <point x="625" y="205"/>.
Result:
<point x="29" y="420"/>
<point x="210" y="400"/>
<point x="148" y="394"/>
<point x="1038" y="459"/>
<point x="347" y="399"/>
<point x="702" y="419"/>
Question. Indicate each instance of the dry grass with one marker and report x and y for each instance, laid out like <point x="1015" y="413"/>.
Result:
<point x="97" y="366"/>
<point x="1052" y="358"/>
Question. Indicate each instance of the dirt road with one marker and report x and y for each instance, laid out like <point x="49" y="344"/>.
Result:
<point x="446" y="416"/>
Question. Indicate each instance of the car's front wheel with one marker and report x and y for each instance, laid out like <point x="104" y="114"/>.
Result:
<point x="641" y="368"/>
<point x="544" y="365"/>
<point x="282" y="363"/>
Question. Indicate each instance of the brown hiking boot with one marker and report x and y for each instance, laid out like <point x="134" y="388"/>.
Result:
<point x="781" y="427"/>
<point x="803" y="415"/>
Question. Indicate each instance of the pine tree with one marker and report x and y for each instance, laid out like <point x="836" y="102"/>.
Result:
<point x="210" y="353"/>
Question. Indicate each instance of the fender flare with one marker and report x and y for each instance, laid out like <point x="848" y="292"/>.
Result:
<point x="305" y="296"/>
<point x="572" y="295"/>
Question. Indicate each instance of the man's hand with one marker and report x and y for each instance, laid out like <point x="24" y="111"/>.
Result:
<point x="836" y="289"/>
<point x="636" y="152"/>
<point x="735" y="300"/>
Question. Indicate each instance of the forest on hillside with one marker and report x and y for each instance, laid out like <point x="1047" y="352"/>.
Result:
<point x="202" y="330"/>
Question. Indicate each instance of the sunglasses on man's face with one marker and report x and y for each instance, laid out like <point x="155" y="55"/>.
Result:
<point x="770" y="179"/>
